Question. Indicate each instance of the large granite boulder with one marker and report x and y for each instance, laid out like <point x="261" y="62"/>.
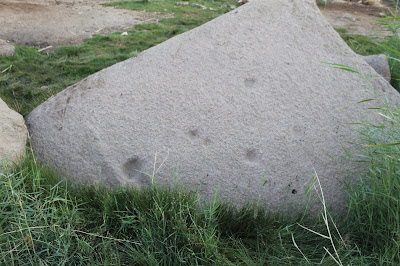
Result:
<point x="13" y="135"/>
<point x="242" y="99"/>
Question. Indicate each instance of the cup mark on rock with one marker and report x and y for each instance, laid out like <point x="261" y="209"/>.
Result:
<point x="206" y="141"/>
<point x="252" y="155"/>
<point x="249" y="83"/>
<point x="194" y="133"/>
<point x="132" y="170"/>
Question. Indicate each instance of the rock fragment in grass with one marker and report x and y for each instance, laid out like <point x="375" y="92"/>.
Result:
<point x="380" y="63"/>
<point x="13" y="135"/>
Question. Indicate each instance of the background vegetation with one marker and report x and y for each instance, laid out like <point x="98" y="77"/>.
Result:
<point x="45" y="221"/>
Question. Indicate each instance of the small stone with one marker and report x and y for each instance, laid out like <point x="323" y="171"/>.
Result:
<point x="201" y="6"/>
<point x="347" y="16"/>
<point x="380" y="64"/>
<point x="182" y="3"/>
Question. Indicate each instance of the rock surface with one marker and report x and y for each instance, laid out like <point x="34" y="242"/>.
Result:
<point x="13" y="134"/>
<point x="242" y="99"/>
<point x="380" y="63"/>
<point x="6" y="49"/>
<point x="347" y="16"/>
<point x="372" y="2"/>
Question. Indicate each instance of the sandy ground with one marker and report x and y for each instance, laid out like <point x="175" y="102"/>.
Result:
<point x="43" y="23"/>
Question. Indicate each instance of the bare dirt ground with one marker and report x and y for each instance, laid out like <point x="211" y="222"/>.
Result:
<point x="355" y="17"/>
<point x="43" y="23"/>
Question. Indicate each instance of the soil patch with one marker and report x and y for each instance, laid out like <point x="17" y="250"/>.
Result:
<point x="63" y="22"/>
<point x="355" y="17"/>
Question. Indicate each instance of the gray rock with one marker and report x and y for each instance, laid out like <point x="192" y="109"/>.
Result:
<point x="200" y="6"/>
<point x="182" y="3"/>
<point x="372" y="2"/>
<point x="6" y="49"/>
<point x="347" y="16"/>
<point x="242" y="99"/>
<point x="13" y="134"/>
<point x="380" y="63"/>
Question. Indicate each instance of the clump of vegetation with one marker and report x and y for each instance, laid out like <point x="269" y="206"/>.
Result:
<point x="46" y="221"/>
<point x="392" y="47"/>
<point x="323" y="3"/>
<point x="361" y="44"/>
<point x="389" y="45"/>
<point x="373" y="219"/>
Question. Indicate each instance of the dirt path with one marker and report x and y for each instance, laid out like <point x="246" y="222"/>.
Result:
<point x="43" y="23"/>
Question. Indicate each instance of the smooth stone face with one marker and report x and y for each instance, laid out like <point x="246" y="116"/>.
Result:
<point x="242" y="99"/>
<point x="13" y="135"/>
<point x="6" y="49"/>
<point x="380" y="63"/>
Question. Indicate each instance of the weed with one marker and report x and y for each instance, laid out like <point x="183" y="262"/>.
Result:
<point x="374" y="202"/>
<point x="322" y="3"/>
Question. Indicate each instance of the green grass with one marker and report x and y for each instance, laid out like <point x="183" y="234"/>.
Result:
<point x="373" y="219"/>
<point x="361" y="44"/>
<point x="46" y="221"/>
<point x="322" y="3"/>
<point x="389" y="45"/>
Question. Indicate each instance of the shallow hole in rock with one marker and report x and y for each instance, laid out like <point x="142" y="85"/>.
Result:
<point x="206" y="141"/>
<point x="249" y="83"/>
<point x="132" y="170"/>
<point x="251" y="154"/>
<point x="193" y="133"/>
